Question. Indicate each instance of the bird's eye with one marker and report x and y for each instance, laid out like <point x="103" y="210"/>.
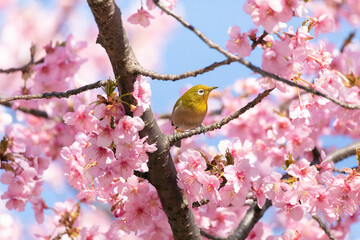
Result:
<point x="201" y="91"/>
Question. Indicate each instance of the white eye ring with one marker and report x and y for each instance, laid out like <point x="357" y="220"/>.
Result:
<point x="200" y="91"/>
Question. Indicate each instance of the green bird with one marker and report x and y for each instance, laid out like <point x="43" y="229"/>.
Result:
<point x="191" y="108"/>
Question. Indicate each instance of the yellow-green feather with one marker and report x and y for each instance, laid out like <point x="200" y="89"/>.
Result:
<point x="193" y="103"/>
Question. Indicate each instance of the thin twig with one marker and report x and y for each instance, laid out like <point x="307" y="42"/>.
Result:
<point x="347" y="41"/>
<point x="154" y="75"/>
<point x="323" y="226"/>
<point x="56" y="94"/>
<point x="343" y="153"/>
<point x="201" y="203"/>
<point x="259" y="40"/>
<point x="249" y="65"/>
<point x="222" y="122"/>
<point x="143" y="175"/>
<point x="209" y="236"/>
<point x="32" y="111"/>
<point x="27" y="66"/>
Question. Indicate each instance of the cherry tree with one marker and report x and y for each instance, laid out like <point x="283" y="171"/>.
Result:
<point x="78" y="112"/>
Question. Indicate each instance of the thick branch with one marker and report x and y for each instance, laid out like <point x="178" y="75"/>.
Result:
<point x="249" y="65"/>
<point x="343" y="153"/>
<point x="112" y="37"/>
<point x="154" y="75"/>
<point x="56" y="94"/>
<point x="163" y="176"/>
<point x="222" y="122"/>
<point x="252" y="216"/>
<point x="162" y="173"/>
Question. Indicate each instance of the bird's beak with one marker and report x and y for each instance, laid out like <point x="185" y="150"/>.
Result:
<point x="212" y="88"/>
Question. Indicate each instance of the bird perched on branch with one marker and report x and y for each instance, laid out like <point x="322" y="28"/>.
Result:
<point x="190" y="109"/>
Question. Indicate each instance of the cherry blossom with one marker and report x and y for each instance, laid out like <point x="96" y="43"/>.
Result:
<point x="238" y="43"/>
<point x="105" y="148"/>
<point x="142" y="17"/>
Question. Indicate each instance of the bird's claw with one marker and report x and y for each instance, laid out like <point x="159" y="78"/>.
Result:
<point x="202" y="128"/>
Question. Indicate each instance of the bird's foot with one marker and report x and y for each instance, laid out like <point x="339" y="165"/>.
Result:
<point x="202" y="128"/>
<point x="177" y="143"/>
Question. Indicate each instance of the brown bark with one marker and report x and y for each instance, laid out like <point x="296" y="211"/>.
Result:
<point x="162" y="172"/>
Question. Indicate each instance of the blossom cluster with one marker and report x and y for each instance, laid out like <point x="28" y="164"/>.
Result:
<point x="100" y="163"/>
<point x="273" y="151"/>
<point x="26" y="152"/>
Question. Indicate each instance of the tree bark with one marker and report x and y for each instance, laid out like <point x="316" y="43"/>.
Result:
<point x="162" y="173"/>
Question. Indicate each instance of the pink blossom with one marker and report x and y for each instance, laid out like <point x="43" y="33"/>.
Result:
<point x="135" y="189"/>
<point x="102" y="156"/>
<point x="284" y="58"/>
<point x="238" y="42"/>
<point x="222" y="220"/>
<point x="302" y="170"/>
<point x="137" y="214"/>
<point x="38" y="206"/>
<point x="192" y="160"/>
<point x="159" y="229"/>
<point x="210" y="187"/>
<point x="92" y="233"/>
<point x="142" y="17"/>
<point x="323" y="24"/>
<point x="127" y="129"/>
<point x="124" y="167"/>
<point x="60" y="64"/>
<point x="17" y="135"/>
<point x="189" y="182"/>
<point x="106" y="133"/>
<point x="142" y="94"/>
<point x="300" y="141"/>
<point x="237" y="149"/>
<point x="319" y="58"/>
<point x="269" y="14"/>
<point x="39" y="163"/>
<point x="239" y="175"/>
<point x="258" y="193"/>
<point x="87" y="195"/>
<point x="67" y="207"/>
<point x="82" y="119"/>
<point x="343" y="197"/>
<point x="290" y="206"/>
<point x="229" y="196"/>
<point x="299" y="111"/>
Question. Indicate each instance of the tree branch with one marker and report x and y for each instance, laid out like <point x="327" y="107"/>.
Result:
<point x="259" y="40"/>
<point x="323" y="226"/>
<point x="162" y="172"/>
<point x="27" y="66"/>
<point x="56" y="94"/>
<point x="252" y="216"/>
<point x="200" y="203"/>
<point x="343" y="153"/>
<point x="34" y="112"/>
<point x="148" y="73"/>
<point x="221" y="123"/>
<point x="209" y="236"/>
<point x="249" y="65"/>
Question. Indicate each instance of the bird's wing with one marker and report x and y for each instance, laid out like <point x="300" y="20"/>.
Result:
<point x="176" y="106"/>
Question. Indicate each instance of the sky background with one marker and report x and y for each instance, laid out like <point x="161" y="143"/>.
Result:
<point x="184" y="51"/>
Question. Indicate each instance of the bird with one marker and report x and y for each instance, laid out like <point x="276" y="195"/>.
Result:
<point x="190" y="109"/>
